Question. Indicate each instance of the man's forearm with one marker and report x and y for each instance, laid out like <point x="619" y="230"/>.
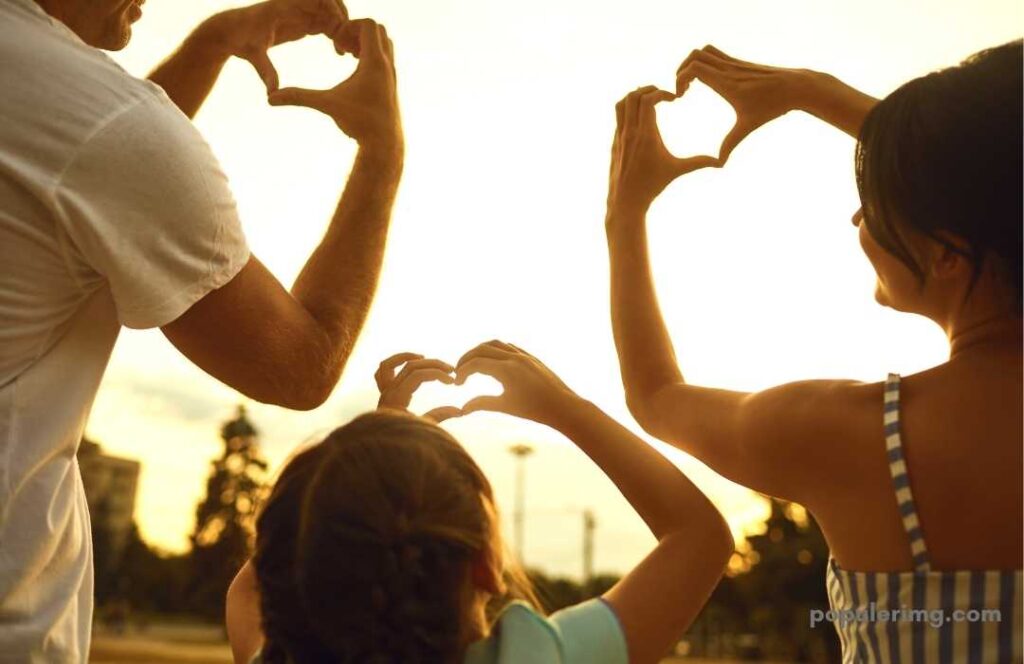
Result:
<point x="338" y="282"/>
<point x="827" y="98"/>
<point x="189" y="74"/>
<point x="646" y="357"/>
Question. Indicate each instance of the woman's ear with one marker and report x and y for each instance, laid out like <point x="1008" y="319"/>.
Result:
<point x="948" y="258"/>
<point x="486" y="573"/>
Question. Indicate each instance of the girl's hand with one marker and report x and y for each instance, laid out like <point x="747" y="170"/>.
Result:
<point x="641" y="164"/>
<point x="757" y="93"/>
<point x="532" y="391"/>
<point x="396" y="390"/>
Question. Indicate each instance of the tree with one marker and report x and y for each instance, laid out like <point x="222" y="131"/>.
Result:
<point x="225" y="519"/>
<point x="760" y="609"/>
<point x="786" y="582"/>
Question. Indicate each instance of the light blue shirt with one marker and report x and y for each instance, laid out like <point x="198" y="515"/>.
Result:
<point x="587" y="633"/>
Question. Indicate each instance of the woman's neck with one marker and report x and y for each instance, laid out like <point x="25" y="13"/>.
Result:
<point x="997" y="332"/>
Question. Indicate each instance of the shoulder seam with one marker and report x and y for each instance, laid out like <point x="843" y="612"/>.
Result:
<point x="100" y="127"/>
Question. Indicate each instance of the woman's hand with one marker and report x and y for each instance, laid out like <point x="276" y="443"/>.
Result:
<point x="532" y="391"/>
<point x="641" y="164"/>
<point x="396" y="390"/>
<point x="757" y="93"/>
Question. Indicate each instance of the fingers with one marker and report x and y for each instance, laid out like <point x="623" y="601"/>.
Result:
<point x="722" y="55"/>
<point x="633" y="104"/>
<point x="386" y="371"/>
<point x="690" y="164"/>
<point x="708" y="56"/>
<point x="522" y="352"/>
<point x="732" y="139"/>
<point x="399" y="393"/>
<point x="443" y="413"/>
<point x="716" y="79"/>
<point x="647" y="117"/>
<point x="495" y="367"/>
<point x="331" y="16"/>
<point x="417" y="366"/>
<point x="374" y="44"/>
<point x="408" y="383"/>
<point x="265" y="68"/>
<point x="346" y="37"/>
<point x="494" y="349"/>
<point x="314" y="99"/>
<point x="478" y="404"/>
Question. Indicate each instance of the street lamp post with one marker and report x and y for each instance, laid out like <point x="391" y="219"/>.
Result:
<point x="520" y="451"/>
<point x="589" y="524"/>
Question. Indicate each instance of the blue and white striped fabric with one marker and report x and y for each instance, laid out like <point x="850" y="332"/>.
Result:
<point x="942" y="630"/>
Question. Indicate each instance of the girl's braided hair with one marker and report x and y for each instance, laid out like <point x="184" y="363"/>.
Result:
<point x="365" y="543"/>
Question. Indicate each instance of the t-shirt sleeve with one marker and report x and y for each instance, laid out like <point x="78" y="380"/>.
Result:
<point x="145" y="205"/>
<point x="591" y="633"/>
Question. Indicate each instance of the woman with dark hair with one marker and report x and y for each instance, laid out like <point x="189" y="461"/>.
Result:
<point x="381" y="544"/>
<point x="916" y="482"/>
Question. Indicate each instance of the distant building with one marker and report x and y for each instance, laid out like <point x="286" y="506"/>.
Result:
<point x="110" y="487"/>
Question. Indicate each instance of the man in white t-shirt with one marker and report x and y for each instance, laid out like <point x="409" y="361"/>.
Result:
<point x="113" y="211"/>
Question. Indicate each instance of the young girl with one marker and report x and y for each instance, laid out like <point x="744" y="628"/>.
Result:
<point x="916" y="482"/>
<point x="382" y="543"/>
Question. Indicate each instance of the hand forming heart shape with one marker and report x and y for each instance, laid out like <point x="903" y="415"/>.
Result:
<point x="396" y="390"/>
<point x="641" y="164"/>
<point x="249" y="32"/>
<point x="758" y="93"/>
<point x="532" y="391"/>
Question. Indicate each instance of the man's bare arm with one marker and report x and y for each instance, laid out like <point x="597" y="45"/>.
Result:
<point x="290" y="348"/>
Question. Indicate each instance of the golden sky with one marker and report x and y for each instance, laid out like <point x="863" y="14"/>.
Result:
<point x="498" y="230"/>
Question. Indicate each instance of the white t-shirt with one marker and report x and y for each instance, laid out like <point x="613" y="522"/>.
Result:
<point x="113" y="211"/>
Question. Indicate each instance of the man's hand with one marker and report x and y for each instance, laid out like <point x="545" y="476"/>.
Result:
<point x="641" y="164"/>
<point x="249" y="32"/>
<point x="396" y="390"/>
<point x="364" y="106"/>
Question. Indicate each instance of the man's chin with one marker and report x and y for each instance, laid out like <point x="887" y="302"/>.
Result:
<point x="116" y="41"/>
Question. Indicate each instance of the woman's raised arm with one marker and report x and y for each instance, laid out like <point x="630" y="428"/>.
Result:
<point x="759" y="93"/>
<point x="766" y="440"/>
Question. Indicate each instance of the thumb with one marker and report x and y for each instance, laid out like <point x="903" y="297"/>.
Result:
<point x="298" y="97"/>
<point x="690" y="164"/>
<point x="260" y="61"/>
<point x="732" y="139"/>
<point x="443" y="413"/>
<point x="491" y="404"/>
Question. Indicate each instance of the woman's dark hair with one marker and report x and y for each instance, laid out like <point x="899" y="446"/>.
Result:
<point x="941" y="156"/>
<point x="364" y="546"/>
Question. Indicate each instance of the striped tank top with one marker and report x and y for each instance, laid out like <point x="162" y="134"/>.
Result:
<point x="923" y="616"/>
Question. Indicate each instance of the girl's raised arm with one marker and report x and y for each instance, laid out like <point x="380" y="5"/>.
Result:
<point x="658" y="600"/>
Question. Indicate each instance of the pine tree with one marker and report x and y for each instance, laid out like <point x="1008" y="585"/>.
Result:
<point x="225" y="519"/>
